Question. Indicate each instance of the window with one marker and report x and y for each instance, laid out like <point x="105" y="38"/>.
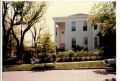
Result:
<point x="73" y="42"/>
<point x="84" y="25"/>
<point x="85" y="40"/>
<point x="85" y="43"/>
<point x="56" y="28"/>
<point x="56" y="31"/>
<point x="95" y="27"/>
<point x="73" y="25"/>
<point x="62" y="46"/>
<point x="96" y="42"/>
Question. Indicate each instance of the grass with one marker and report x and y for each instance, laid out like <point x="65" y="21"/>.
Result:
<point x="81" y="65"/>
<point x="56" y="66"/>
<point x="22" y="67"/>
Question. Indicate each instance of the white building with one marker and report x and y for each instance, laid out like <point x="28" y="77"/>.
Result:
<point x="75" y="31"/>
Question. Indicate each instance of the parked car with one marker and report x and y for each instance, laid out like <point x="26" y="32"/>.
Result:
<point x="110" y="64"/>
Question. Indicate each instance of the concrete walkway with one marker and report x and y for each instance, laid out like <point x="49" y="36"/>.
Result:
<point x="59" y="75"/>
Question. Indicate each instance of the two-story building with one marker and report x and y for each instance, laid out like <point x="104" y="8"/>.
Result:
<point x="75" y="31"/>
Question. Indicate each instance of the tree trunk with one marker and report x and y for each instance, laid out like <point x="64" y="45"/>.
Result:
<point x="21" y="47"/>
<point x="5" y="48"/>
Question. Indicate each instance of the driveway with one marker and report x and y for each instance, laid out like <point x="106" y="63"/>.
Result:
<point x="59" y="75"/>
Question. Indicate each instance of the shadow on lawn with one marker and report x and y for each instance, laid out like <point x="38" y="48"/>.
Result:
<point x="45" y="68"/>
<point x="103" y="72"/>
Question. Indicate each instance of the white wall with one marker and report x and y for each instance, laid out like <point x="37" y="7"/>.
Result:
<point x="79" y="33"/>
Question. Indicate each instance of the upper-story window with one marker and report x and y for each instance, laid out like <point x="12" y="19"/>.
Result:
<point x="84" y="25"/>
<point x="95" y="27"/>
<point x="73" y="25"/>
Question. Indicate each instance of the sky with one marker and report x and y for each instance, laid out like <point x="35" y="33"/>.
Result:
<point x="62" y="8"/>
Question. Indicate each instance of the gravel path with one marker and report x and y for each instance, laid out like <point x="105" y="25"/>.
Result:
<point x="58" y="75"/>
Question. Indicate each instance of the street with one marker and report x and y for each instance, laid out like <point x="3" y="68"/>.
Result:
<point x="59" y="75"/>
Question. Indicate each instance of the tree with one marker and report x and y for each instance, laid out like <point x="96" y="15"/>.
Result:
<point x="37" y="34"/>
<point x="8" y="22"/>
<point x="34" y="16"/>
<point x="25" y="15"/>
<point x="45" y="47"/>
<point x="104" y="13"/>
<point x="45" y="44"/>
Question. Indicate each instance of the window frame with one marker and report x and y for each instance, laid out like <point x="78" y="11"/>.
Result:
<point x="95" y="27"/>
<point x="96" y="41"/>
<point x="84" y="25"/>
<point x="73" y="42"/>
<point x="73" y="26"/>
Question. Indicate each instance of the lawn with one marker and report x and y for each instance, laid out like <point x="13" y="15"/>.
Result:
<point x="56" y="66"/>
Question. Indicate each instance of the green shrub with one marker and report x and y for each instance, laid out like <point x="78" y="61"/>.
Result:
<point x="70" y="52"/>
<point x="70" y="55"/>
<point x="80" y="55"/>
<point x="45" y="58"/>
<point x="93" y="57"/>
<point x="67" y="55"/>
<point x="88" y="58"/>
<point x="10" y="61"/>
<point x="63" y="56"/>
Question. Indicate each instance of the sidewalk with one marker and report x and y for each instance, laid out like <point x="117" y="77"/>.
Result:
<point x="58" y="75"/>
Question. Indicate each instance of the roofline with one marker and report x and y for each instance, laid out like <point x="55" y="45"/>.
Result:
<point x="70" y="16"/>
